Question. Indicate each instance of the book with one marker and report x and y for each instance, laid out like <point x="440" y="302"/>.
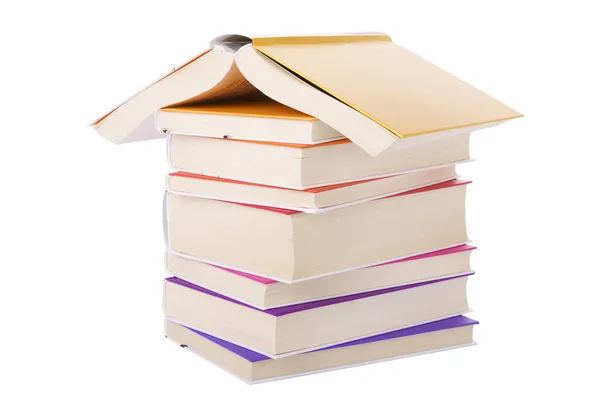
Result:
<point x="264" y="293"/>
<point x="311" y="200"/>
<point x="256" y="119"/>
<point x="285" y="331"/>
<point x="387" y="98"/>
<point x="290" y="246"/>
<point x="252" y="367"/>
<point x="301" y="167"/>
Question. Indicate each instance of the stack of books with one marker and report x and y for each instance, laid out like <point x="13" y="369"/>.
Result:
<point x="315" y="219"/>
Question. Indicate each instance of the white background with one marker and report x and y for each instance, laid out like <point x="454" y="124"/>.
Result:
<point x="81" y="224"/>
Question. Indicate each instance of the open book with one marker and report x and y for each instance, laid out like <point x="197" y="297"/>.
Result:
<point x="378" y="94"/>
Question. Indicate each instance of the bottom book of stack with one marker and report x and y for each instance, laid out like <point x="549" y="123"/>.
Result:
<point x="253" y="367"/>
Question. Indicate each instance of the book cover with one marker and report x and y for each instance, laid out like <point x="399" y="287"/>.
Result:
<point x="260" y="108"/>
<point x="443" y="185"/>
<point x="448" y="323"/>
<point x="389" y="84"/>
<point x="438" y="253"/>
<point x="318" y="189"/>
<point x="285" y="310"/>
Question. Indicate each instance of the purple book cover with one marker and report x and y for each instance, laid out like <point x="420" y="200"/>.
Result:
<point x="280" y="311"/>
<point x="448" y="323"/>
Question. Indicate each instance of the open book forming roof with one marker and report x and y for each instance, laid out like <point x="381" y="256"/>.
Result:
<point x="377" y="93"/>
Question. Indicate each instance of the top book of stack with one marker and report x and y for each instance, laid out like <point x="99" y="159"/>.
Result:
<point x="379" y="95"/>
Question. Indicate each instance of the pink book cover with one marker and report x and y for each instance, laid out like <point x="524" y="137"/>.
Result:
<point x="451" y="250"/>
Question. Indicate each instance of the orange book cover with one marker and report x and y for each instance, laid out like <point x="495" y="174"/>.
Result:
<point x="260" y="108"/>
<point x="280" y="144"/>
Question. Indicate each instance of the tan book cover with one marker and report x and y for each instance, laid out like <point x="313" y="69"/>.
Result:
<point x="386" y="82"/>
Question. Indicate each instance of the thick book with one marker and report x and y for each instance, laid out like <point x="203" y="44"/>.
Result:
<point x="264" y="293"/>
<point x="285" y="331"/>
<point x="255" y="119"/>
<point x="290" y="246"/>
<point x="253" y="367"/>
<point x="312" y="200"/>
<point x="299" y="166"/>
<point x="385" y="98"/>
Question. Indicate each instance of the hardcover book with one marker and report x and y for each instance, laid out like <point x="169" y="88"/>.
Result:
<point x="253" y="367"/>
<point x="290" y="246"/>
<point x="261" y="119"/>
<point x="301" y="167"/>
<point x="312" y="200"/>
<point x="285" y="331"/>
